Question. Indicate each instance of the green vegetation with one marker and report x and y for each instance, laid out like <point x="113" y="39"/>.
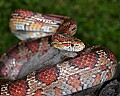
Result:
<point x="98" y="20"/>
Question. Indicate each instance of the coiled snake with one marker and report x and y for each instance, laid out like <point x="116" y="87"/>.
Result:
<point x="92" y="65"/>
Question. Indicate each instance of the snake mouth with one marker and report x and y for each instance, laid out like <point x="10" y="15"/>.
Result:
<point x="69" y="46"/>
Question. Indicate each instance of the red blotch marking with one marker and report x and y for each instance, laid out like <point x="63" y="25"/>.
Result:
<point x="97" y="79"/>
<point x="103" y="67"/>
<point x="55" y="17"/>
<point x="13" y="53"/>
<point x="33" y="46"/>
<point x="111" y="55"/>
<point x="47" y="74"/>
<point x="66" y="25"/>
<point x="58" y="91"/>
<point x="74" y="81"/>
<point x="87" y="60"/>
<point x="109" y="75"/>
<point x="38" y="93"/>
<point x="51" y="17"/>
<point x="18" y="88"/>
<point x="24" y="13"/>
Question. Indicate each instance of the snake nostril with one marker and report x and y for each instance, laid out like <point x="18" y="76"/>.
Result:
<point x="76" y="45"/>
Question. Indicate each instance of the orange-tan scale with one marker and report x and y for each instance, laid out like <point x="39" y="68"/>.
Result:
<point x="26" y="24"/>
<point x="66" y="78"/>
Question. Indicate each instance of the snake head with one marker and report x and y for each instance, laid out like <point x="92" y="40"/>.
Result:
<point x="68" y="43"/>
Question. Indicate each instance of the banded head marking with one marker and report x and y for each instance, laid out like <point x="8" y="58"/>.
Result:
<point x="68" y="43"/>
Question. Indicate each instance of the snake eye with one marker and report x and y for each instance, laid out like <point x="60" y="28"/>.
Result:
<point x="72" y="45"/>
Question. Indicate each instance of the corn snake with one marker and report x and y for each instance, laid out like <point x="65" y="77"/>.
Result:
<point x="91" y="66"/>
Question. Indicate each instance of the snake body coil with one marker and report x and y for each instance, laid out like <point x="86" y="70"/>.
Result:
<point x="92" y="66"/>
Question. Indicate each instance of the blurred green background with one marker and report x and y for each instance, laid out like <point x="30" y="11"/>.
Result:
<point x="98" y="20"/>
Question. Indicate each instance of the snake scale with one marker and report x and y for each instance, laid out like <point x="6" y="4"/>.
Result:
<point x="92" y="65"/>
